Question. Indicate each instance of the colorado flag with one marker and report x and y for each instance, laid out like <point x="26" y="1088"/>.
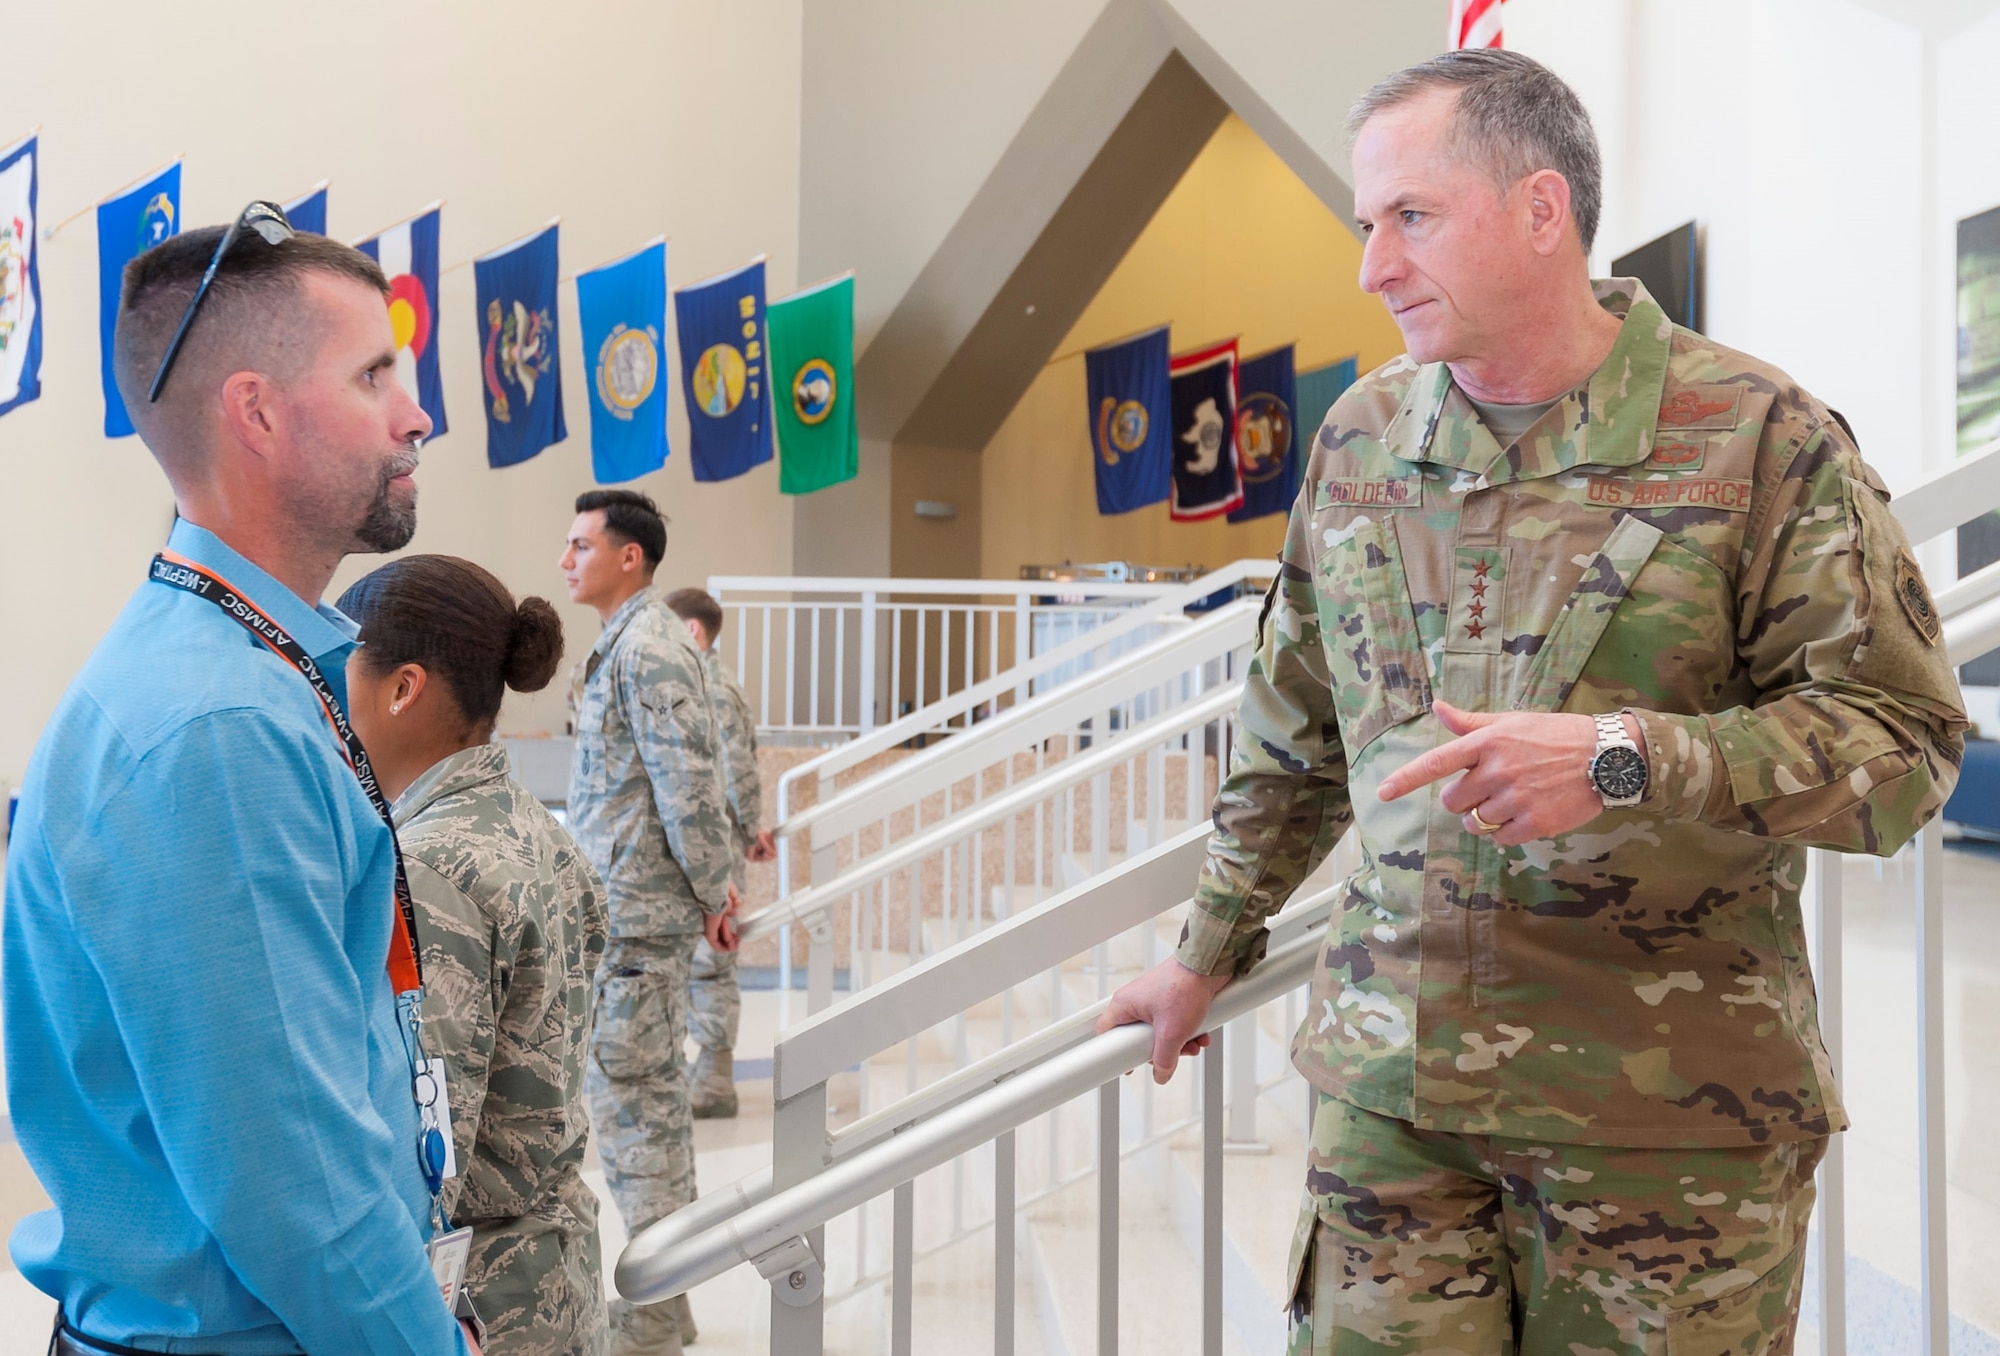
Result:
<point x="408" y="254"/>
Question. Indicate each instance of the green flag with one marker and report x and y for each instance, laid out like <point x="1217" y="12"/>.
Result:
<point x="812" y="371"/>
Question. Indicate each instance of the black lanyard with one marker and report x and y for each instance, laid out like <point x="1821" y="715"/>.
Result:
<point x="405" y="965"/>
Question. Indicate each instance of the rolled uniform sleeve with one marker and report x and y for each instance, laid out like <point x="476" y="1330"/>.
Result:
<point x="1857" y="739"/>
<point x="1284" y="802"/>
<point x="664" y="699"/>
<point x="256" y="1080"/>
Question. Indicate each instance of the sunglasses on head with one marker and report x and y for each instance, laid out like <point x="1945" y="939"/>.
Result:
<point x="266" y="219"/>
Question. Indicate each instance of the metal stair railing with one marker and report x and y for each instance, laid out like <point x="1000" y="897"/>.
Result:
<point x="942" y="843"/>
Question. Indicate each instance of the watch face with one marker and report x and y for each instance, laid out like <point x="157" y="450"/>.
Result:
<point x="1619" y="773"/>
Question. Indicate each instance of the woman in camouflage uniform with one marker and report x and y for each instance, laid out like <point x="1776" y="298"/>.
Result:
<point x="511" y="922"/>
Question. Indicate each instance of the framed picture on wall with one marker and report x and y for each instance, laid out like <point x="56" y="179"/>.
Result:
<point x="1979" y="391"/>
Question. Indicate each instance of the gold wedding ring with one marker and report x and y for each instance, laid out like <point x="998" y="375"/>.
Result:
<point x="1481" y="827"/>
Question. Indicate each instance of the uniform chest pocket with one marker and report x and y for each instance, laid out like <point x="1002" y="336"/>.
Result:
<point x="1374" y="654"/>
<point x="1649" y="623"/>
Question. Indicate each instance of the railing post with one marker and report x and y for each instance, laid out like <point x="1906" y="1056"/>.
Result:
<point x="1240" y="1040"/>
<point x="819" y="959"/>
<point x="1023" y="641"/>
<point x="799" y="1152"/>
<point x="1107" y="1219"/>
<point x="1211" y="1200"/>
<point x="1003" y="1244"/>
<point x="1936" y="1307"/>
<point x="866" y="697"/>
<point x="1826" y="882"/>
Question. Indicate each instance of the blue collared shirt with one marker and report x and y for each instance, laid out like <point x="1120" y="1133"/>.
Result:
<point x="205" y="1065"/>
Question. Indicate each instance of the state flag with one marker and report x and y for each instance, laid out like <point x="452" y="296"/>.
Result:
<point x="307" y="212"/>
<point x="723" y="372"/>
<point x="20" y="275"/>
<point x="1131" y="435"/>
<point x="622" y="308"/>
<point x="520" y="358"/>
<point x="812" y="369"/>
<point x="1207" y="480"/>
<point x="1267" y="441"/>
<point x="127" y="225"/>
<point x="1318" y="389"/>
<point x="408" y="254"/>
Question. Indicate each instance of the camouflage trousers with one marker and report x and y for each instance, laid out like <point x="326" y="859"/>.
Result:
<point x="715" y="1001"/>
<point x="1469" y="1245"/>
<point x="637" y="1082"/>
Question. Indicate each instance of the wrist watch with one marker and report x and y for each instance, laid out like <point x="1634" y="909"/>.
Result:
<point x="1617" y="769"/>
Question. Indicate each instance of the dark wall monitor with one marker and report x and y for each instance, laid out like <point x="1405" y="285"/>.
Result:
<point x="1671" y="269"/>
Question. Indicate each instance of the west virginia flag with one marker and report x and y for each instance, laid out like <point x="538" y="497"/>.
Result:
<point x="623" y="310"/>
<point x="1207" y="480"/>
<point x="1130" y="435"/>
<point x="134" y="221"/>
<point x="518" y="350"/>
<point x="724" y="372"/>
<point x="1267" y="444"/>
<point x="408" y="254"/>
<point x="20" y="276"/>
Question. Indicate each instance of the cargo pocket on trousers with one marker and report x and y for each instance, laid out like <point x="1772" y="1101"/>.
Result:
<point x="1758" y="1317"/>
<point x="1368" y="629"/>
<point x="631" y="1017"/>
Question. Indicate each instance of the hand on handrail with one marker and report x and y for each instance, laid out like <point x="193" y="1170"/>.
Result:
<point x="1175" y="1000"/>
<point x="720" y="928"/>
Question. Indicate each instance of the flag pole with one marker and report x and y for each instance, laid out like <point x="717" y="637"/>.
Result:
<point x="726" y="273"/>
<point x="1087" y="348"/>
<point x="309" y="192"/>
<point x="814" y="287"/>
<point x="420" y="212"/>
<point x="615" y="259"/>
<point x="18" y="142"/>
<point x="511" y="244"/>
<point x="49" y="232"/>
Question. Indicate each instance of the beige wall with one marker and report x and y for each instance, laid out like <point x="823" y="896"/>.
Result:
<point x="630" y="120"/>
<point x="1241" y="247"/>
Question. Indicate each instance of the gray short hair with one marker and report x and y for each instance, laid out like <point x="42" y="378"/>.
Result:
<point x="1514" y="117"/>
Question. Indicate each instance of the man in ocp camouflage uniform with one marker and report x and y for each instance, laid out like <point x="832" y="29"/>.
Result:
<point x="1570" y="1083"/>
<point x="716" y="1003"/>
<point x="646" y="806"/>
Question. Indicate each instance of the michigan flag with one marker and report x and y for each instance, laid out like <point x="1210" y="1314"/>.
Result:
<point x="408" y="254"/>
<point x="721" y="326"/>
<point x="518" y="352"/>
<point x="1130" y="439"/>
<point x="812" y="370"/>
<point x="308" y="211"/>
<point x="134" y="221"/>
<point x="1207" y="481"/>
<point x="20" y="276"/>
<point x="1267" y="444"/>
<point x="1318" y="389"/>
<point x="623" y="310"/>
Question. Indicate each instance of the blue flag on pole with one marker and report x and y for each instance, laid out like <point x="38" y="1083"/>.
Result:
<point x="721" y="326"/>
<point x="134" y="221"/>
<point x="1318" y="389"/>
<point x="517" y="340"/>
<point x="1267" y="441"/>
<point x="1131" y="438"/>
<point x="623" y="310"/>
<point x="20" y="276"/>
<point x="308" y="213"/>
<point x="408" y="254"/>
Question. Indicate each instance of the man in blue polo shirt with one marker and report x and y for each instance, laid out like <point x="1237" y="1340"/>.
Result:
<point x="206" y="1065"/>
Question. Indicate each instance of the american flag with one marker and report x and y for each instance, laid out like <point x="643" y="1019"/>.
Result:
<point x="1475" y="23"/>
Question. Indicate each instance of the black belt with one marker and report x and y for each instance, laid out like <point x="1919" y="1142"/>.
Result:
<point x="67" y="1341"/>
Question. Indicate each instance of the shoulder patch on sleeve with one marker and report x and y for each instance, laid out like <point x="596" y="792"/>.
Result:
<point x="1915" y="597"/>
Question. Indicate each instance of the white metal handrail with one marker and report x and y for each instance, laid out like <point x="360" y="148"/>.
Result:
<point x="1951" y="495"/>
<point x="1073" y="771"/>
<point x="662" y="1262"/>
<point x="1114" y="684"/>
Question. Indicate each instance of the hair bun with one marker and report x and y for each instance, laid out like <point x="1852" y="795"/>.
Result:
<point x="534" y="646"/>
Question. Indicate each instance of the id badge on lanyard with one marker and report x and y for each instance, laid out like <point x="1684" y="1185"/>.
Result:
<point x="406" y="975"/>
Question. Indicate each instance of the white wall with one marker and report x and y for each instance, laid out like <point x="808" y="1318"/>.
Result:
<point x="629" y="120"/>
<point x="1789" y="129"/>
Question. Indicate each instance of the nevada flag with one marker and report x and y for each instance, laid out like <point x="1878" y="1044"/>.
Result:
<point x="20" y="278"/>
<point x="408" y="255"/>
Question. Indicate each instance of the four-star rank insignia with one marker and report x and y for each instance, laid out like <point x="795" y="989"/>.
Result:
<point x="1476" y="615"/>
